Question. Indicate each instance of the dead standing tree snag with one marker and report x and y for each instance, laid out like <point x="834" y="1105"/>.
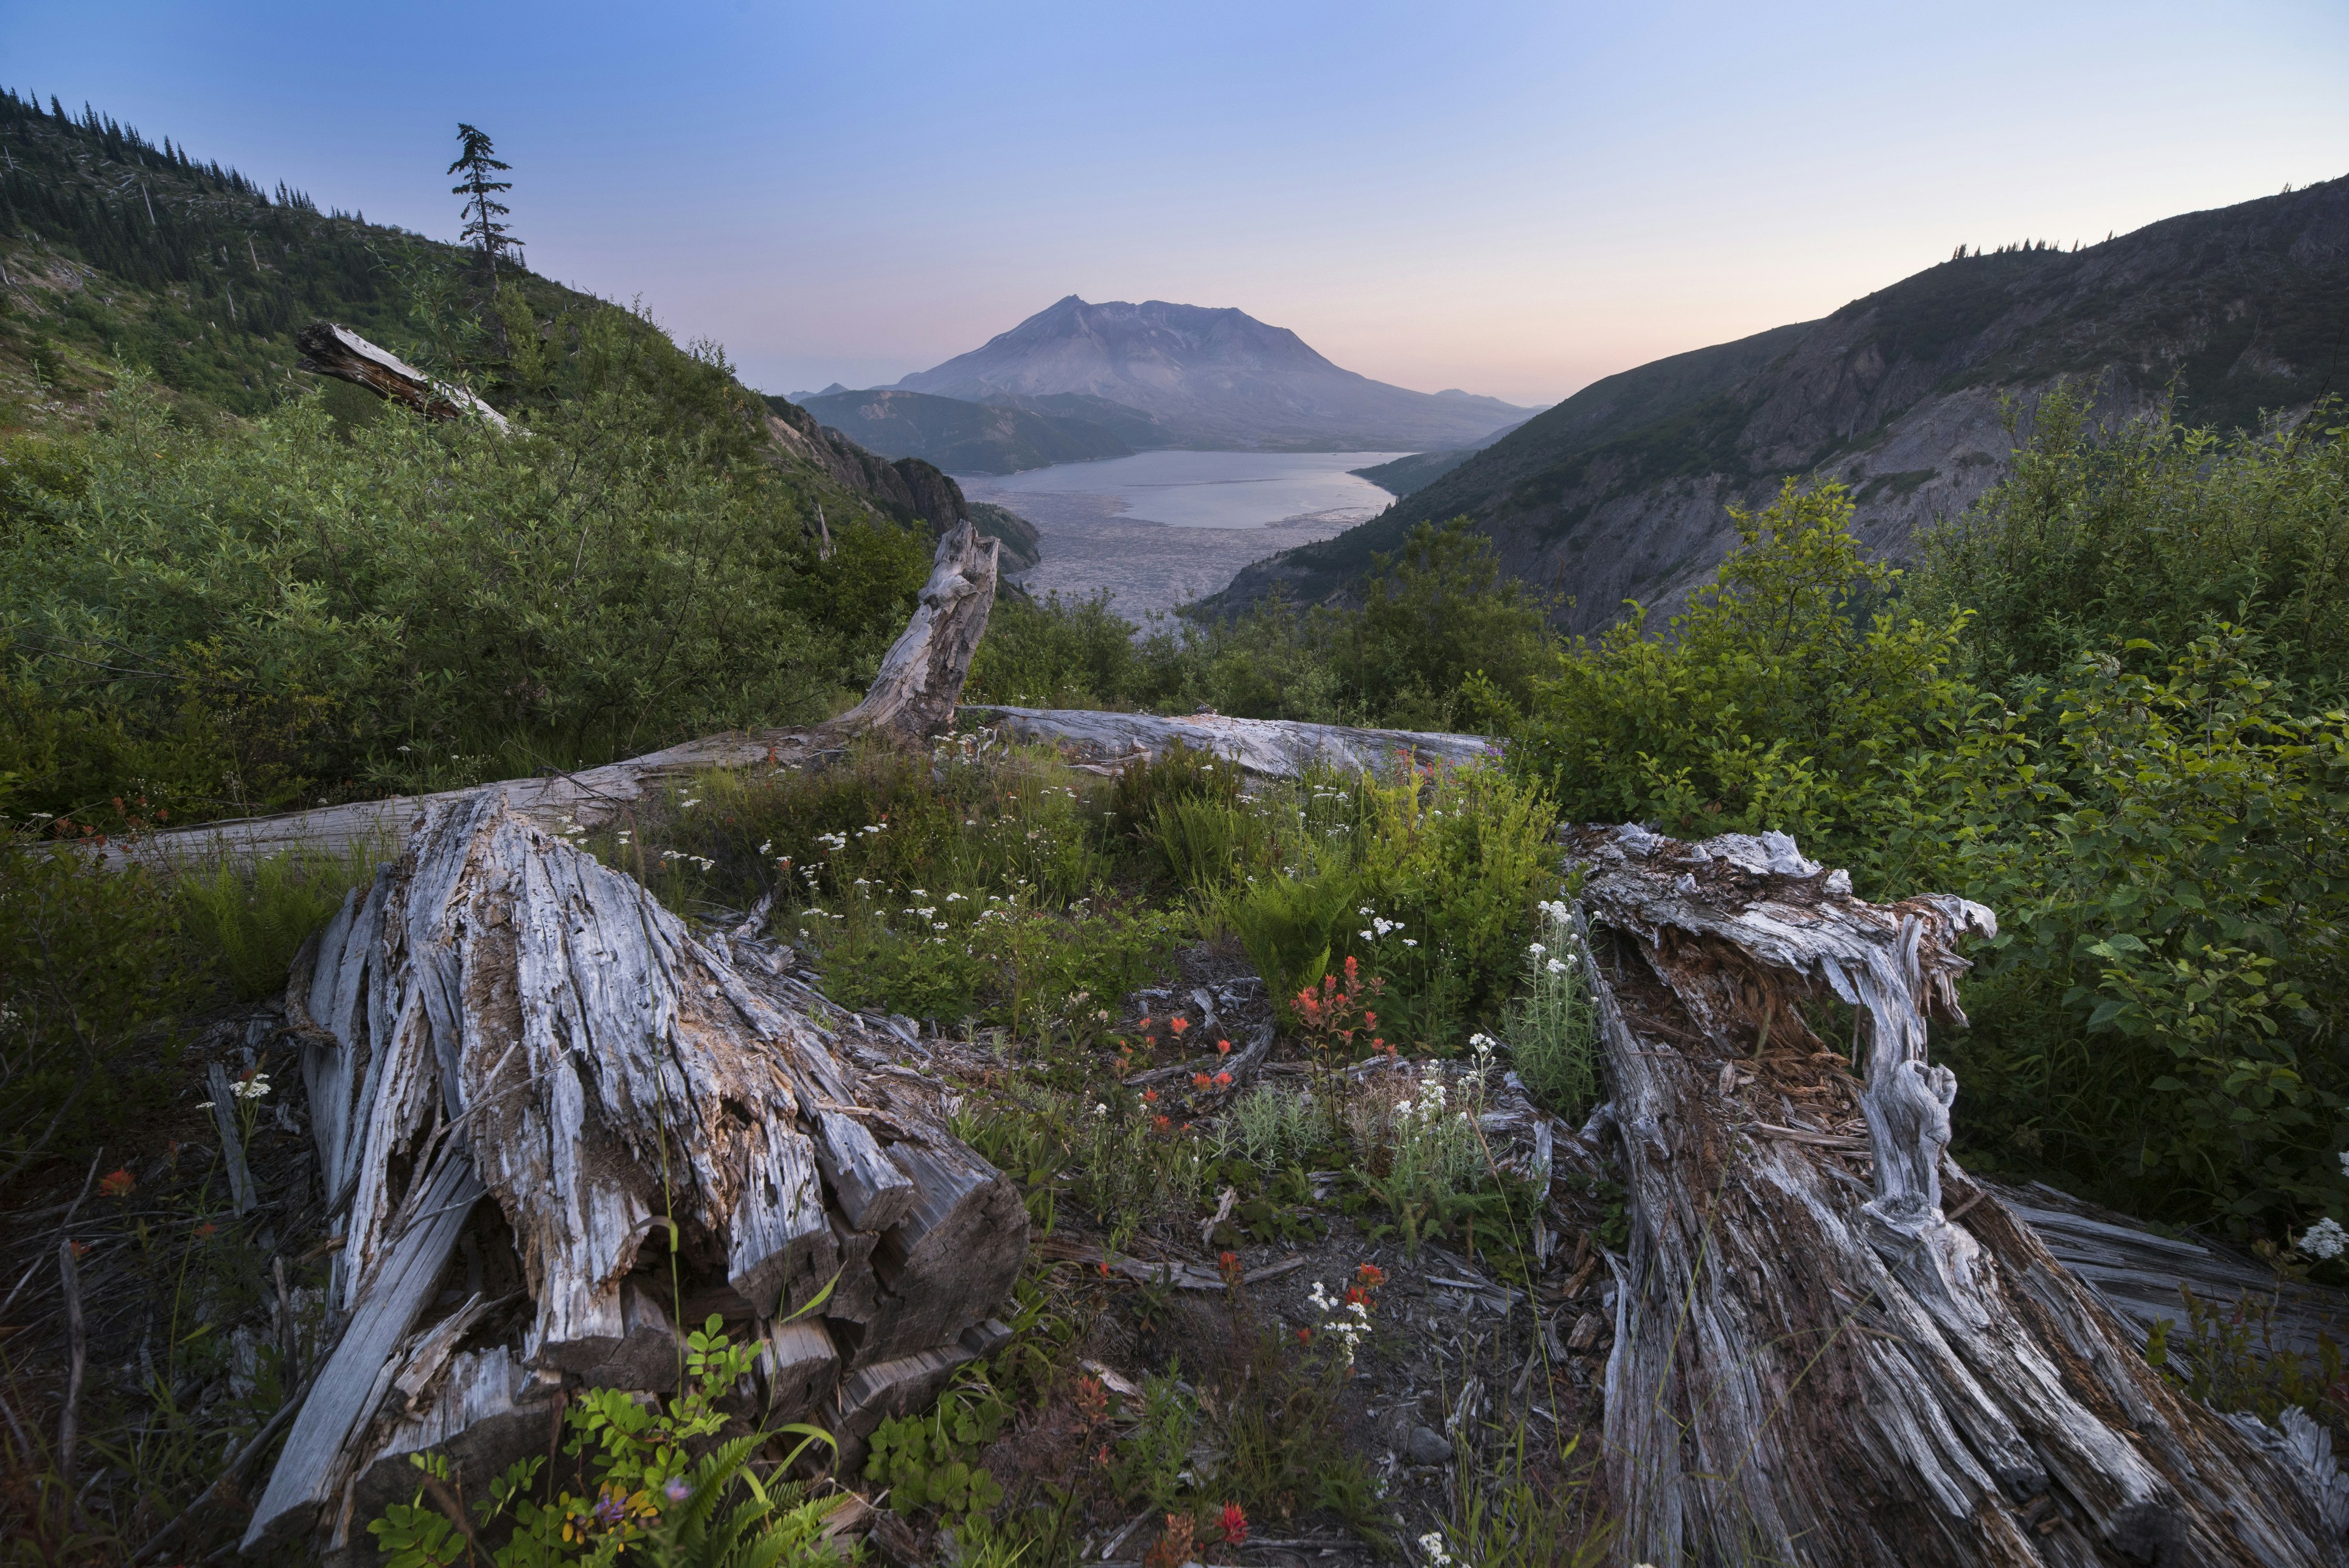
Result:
<point x="1833" y="1347"/>
<point x="657" y="1130"/>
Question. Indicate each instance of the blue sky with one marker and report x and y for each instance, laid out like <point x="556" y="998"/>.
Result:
<point x="1513" y="199"/>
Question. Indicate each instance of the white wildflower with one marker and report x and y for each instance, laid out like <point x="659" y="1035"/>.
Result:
<point x="1433" y="1544"/>
<point x="258" y="1087"/>
<point x="768" y="847"/>
<point x="1535" y="948"/>
<point x="1410" y="942"/>
<point x="2344" y="1162"/>
<point x="2324" y="1239"/>
<point x="1556" y="966"/>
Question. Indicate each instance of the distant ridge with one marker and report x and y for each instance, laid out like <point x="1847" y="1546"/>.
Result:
<point x="1623" y="490"/>
<point x="960" y="436"/>
<point x="1212" y="379"/>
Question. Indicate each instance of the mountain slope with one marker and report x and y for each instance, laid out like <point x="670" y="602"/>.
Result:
<point x="1401" y="476"/>
<point x="962" y="437"/>
<point x="1623" y="490"/>
<point x="1214" y="379"/>
<point x="115" y="250"/>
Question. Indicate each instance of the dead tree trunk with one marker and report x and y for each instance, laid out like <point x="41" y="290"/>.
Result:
<point x="658" y="1135"/>
<point x="1270" y="748"/>
<point x="338" y="352"/>
<point x="920" y="681"/>
<point x="1833" y="1347"/>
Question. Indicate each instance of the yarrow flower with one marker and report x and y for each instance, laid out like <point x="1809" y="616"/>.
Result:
<point x="2324" y="1239"/>
<point x="1433" y="1544"/>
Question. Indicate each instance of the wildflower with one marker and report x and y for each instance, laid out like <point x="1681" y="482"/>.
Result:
<point x="1227" y="1263"/>
<point x="1535" y="948"/>
<point x="116" y="1185"/>
<point x="1304" y="1336"/>
<point x="1410" y="942"/>
<point x="677" y="1491"/>
<point x="1223" y="1048"/>
<point x="1223" y="1080"/>
<point x="1235" y="1524"/>
<point x="1178" y="1023"/>
<point x="81" y="1249"/>
<point x="1370" y="1277"/>
<point x="767" y="847"/>
<point x="253" y="1085"/>
<point x="204" y="1232"/>
<point x="1093" y="1399"/>
<point x="1165" y="1122"/>
<point x="1151" y="1096"/>
<point x="1101" y="1110"/>
<point x="1433" y="1544"/>
<point x="1200" y="1080"/>
<point x="2344" y="1162"/>
<point x="2324" y="1239"/>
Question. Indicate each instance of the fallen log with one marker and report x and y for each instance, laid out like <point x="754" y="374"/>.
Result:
<point x="1816" y="1360"/>
<point x="921" y="680"/>
<point x="337" y="351"/>
<point x="1269" y="749"/>
<point x="511" y="1050"/>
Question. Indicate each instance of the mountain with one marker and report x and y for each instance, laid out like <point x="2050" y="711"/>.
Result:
<point x="961" y="437"/>
<point x="1623" y="490"/>
<point x="1213" y="379"/>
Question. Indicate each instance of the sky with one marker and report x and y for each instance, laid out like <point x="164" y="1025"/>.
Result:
<point x="1513" y="199"/>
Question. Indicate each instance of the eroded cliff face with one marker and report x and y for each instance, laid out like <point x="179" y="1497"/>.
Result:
<point x="1624" y="490"/>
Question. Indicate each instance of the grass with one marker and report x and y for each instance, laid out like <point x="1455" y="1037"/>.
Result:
<point x="247" y="917"/>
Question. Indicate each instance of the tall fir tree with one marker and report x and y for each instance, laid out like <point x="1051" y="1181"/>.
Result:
<point x="477" y="160"/>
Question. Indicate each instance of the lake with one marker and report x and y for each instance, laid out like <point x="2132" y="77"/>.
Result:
<point x="1161" y="529"/>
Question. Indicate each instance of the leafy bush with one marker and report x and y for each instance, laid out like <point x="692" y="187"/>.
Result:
<point x="644" y="1486"/>
<point x="2157" y="823"/>
<point x="2142" y="531"/>
<point x="316" y="610"/>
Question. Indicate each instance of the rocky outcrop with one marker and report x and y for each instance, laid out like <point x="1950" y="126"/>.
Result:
<point x="1621" y="492"/>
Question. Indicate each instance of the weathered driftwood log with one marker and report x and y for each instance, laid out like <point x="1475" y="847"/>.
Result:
<point x="338" y="352"/>
<point x="919" y="684"/>
<point x="1833" y="1347"/>
<point x="1270" y="748"/>
<point x="655" y="1128"/>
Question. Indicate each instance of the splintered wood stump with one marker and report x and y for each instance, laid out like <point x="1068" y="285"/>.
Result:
<point x="553" y="1119"/>
<point x="500" y="1015"/>
<point x="1833" y="1346"/>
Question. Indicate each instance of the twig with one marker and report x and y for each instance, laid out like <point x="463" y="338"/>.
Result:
<point x="70" y="1210"/>
<point x="224" y="1101"/>
<point x="77" y="1349"/>
<point x="269" y="1430"/>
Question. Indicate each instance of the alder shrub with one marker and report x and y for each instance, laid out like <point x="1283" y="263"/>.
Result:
<point x="253" y="615"/>
<point x="2152" y="793"/>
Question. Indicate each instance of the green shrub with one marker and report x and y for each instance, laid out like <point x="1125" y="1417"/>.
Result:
<point x="314" y="609"/>
<point x="94" y="988"/>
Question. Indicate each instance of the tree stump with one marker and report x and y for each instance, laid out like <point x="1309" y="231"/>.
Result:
<point x="500" y="1017"/>
<point x="1833" y="1346"/>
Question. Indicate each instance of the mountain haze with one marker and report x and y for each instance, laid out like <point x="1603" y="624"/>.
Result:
<point x="1623" y="490"/>
<point x="1213" y="379"/>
